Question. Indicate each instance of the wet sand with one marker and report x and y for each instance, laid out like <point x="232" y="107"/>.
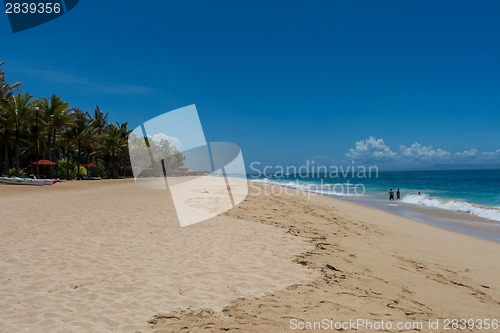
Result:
<point x="455" y="221"/>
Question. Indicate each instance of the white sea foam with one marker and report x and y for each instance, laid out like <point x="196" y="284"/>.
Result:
<point x="490" y="213"/>
<point x="487" y="212"/>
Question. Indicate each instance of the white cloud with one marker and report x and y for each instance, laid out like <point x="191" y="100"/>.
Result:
<point x="467" y="155"/>
<point x="420" y="153"/>
<point x="491" y="156"/>
<point x="374" y="150"/>
<point x="371" y="150"/>
<point x="174" y="141"/>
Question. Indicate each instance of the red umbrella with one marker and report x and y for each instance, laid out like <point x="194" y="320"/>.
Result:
<point x="137" y="168"/>
<point x="89" y="165"/>
<point x="176" y="171"/>
<point x="44" y="162"/>
<point x="117" y="166"/>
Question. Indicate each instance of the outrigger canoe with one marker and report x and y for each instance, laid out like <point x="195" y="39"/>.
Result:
<point x="26" y="181"/>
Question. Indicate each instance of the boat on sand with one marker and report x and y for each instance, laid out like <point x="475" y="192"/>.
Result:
<point x="26" y="181"/>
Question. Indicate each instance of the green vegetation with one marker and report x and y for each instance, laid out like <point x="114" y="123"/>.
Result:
<point x="158" y="150"/>
<point x="12" y="173"/>
<point x="48" y="128"/>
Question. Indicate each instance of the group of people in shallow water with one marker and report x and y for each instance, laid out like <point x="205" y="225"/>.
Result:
<point x="391" y="194"/>
<point x="398" y="194"/>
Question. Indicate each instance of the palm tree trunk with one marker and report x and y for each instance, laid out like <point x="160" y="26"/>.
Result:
<point x="4" y="160"/>
<point x="88" y="160"/>
<point x="49" y="145"/>
<point x="6" y="156"/>
<point x="97" y="163"/>
<point x="78" y="160"/>
<point x="17" y="152"/>
<point x="108" y="173"/>
<point x="113" y="165"/>
<point x="52" y="167"/>
<point x="121" y="163"/>
<point x="67" y="163"/>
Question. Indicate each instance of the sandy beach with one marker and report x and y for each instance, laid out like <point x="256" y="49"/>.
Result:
<point x="108" y="256"/>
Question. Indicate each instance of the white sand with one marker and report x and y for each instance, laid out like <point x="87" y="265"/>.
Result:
<point x="106" y="256"/>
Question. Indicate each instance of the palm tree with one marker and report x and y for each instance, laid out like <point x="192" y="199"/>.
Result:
<point x="67" y="141"/>
<point x="56" y="115"/>
<point x="4" y="137"/>
<point x="82" y="133"/>
<point x="19" y="111"/>
<point x="6" y="90"/>
<point x="100" y="121"/>
<point x="124" y="132"/>
<point x="112" y="144"/>
<point x="101" y="126"/>
<point x="60" y="130"/>
<point x="116" y="141"/>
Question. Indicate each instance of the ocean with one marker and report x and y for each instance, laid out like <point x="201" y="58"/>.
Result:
<point x="466" y="201"/>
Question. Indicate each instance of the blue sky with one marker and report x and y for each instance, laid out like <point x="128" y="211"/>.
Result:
<point x="288" y="81"/>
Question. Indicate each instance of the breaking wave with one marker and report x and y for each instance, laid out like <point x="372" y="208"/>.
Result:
<point x="487" y="212"/>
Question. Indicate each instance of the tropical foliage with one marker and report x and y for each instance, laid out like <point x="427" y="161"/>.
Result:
<point x="48" y="128"/>
<point x="157" y="150"/>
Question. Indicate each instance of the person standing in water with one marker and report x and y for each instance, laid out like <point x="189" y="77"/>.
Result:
<point x="398" y="195"/>
<point x="391" y="195"/>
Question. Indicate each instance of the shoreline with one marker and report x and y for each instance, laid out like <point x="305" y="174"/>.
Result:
<point x="373" y="265"/>
<point x="459" y="222"/>
<point x="455" y="221"/>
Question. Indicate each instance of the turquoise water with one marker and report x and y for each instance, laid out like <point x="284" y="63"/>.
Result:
<point x="475" y="186"/>
<point x="473" y="195"/>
